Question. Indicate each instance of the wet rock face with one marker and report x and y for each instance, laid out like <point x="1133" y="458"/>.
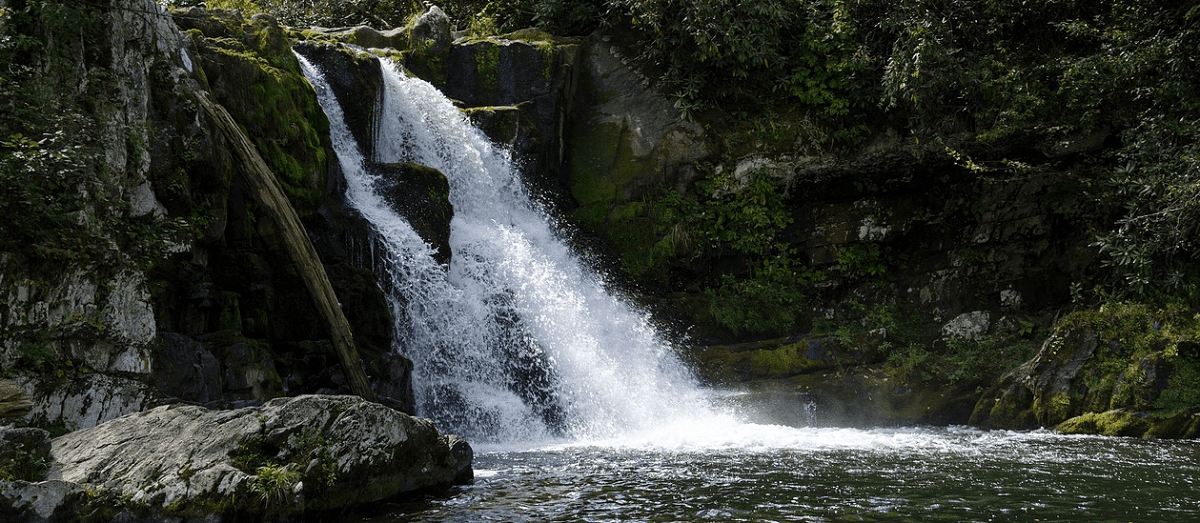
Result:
<point x="1041" y="391"/>
<point x="356" y="81"/>
<point x="422" y="195"/>
<point x="627" y="140"/>
<point x="308" y="453"/>
<point x="220" y="316"/>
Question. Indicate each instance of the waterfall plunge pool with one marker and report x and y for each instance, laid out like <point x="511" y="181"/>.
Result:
<point x="517" y="341"/>
<point x="764" y="473"/>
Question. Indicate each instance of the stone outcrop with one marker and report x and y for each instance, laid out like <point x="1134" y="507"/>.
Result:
<point x="13" y="401"/>
<point x="627" y="139"/>
<point x="292" y="456"/>
<point x="212" y="312"/>
<point x="268" y="194"/>
<point x="422" y="195"/>
<point x="1117" y="373"/>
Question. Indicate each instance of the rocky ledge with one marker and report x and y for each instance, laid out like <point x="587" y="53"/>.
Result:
<point x="290" y="457"/>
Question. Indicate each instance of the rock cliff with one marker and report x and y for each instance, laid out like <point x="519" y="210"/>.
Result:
<point x="195" y="298"/>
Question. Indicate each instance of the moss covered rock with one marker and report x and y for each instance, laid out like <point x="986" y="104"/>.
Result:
<point x="770" y="359"/>
<point x="627" y="142"/>
<point x="1122" y="422"/>
<point x="290" y="457"/>
<point x="1114" y="369"/>
<point x="251" y="71"/>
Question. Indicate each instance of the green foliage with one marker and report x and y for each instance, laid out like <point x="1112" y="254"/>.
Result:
<point x="23" y="466"/>
<point x="62" y="203"/>
<point x="731" y="214"/>
<point x="1129" y="333"/>
<point x="752" y="55"/>
<point x="768" y="301"/>
<point x="248" y="7"/>
<point x="726" y="216"/>
<point x="274" y="486"/>
<point x="382" y="14"/>
<point x="253" y="453"/>
<point x="1181" y="394"/>
<point x="576" y="18"/>
<point x="861" y="260"/>
<point x="278" y="471"/>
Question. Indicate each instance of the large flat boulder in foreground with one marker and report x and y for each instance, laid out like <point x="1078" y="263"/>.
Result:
<point x="290" y="456"/>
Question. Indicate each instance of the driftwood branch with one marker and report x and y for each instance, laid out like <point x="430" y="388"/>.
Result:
<point x="266" y="191"/>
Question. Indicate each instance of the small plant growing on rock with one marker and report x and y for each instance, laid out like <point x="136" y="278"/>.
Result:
<point x="24" y="467"/>
<point x="275" y="485"/>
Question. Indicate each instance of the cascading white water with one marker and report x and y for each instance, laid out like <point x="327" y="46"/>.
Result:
<point x="517" y="340"/>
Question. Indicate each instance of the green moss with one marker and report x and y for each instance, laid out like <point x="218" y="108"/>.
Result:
<point x="1110" y="423"/>
<point x="784" y="361"/>
<point x="231" y="314"/>
<point x="1182" y="393"/>
<point x="487" y="68"/>
<point x="500" y="123"/>
<point x="1006" y="410"/>
<point x="602" y="162"/>
<point x="633" y="235"/>
<point x="279" y="110"/>
<point x="1053" y="409"/>
<point x="1133" y="343"/>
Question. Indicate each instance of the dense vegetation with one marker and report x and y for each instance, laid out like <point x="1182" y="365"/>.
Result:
<point x="63" y="199"/>
<point x="996" y="72"/>
<point x="49" y="153"/>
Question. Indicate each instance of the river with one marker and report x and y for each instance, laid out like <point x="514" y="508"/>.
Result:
<point x="769" y="473"/>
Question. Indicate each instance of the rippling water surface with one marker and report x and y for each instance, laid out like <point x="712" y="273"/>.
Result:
<point x="767" y="473"/>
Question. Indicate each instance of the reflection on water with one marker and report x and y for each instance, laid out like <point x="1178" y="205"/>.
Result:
<point x="951" y="474"/>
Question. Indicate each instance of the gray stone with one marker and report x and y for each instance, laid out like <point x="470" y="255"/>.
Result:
<point x="968" y="325"/>
<point x="433" y="30"/>
<point x="85" y="401"/>
<point x="42" y="502"/>
<point x="186" y="370"/>
<point x="13" y="401"/>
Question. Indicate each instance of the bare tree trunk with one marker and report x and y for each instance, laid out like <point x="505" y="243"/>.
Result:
<point x="266" y="191"/>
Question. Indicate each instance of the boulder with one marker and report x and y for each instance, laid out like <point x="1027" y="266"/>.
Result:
<point x="1119" y="370"/>
<point x="1043" y="391"/>
<point x="432" y="30"/>
<point x="42" y="502"/>
<point x="422" y="195"/>
<point x="291" y="456"/>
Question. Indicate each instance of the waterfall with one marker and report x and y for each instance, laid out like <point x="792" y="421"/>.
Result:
<point x="517" y="339"/>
